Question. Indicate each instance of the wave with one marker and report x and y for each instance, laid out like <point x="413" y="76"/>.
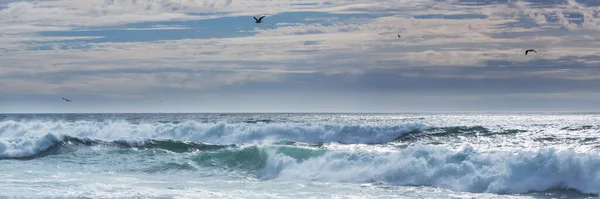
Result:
<point x="465" y="131"/>
<point x="51" y="144"/>
<point x="28" y="147"/>
<point x="215" y="133"/>
<point x="581" y="127"/>
<point x="420" y="165"/>
<point x="466" y="170"/>
<point x="253" y="159"/>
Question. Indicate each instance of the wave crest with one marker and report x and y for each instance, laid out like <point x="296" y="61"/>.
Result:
<point x="50" y="144"/>
<point x="465" y="170"/>
<point x="217" y="133"/>
<point x="27" y="147"/>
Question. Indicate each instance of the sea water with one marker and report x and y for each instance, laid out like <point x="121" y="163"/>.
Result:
<point x="404" y="155"/>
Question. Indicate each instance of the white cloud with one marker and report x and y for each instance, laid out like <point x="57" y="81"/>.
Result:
<point x="23" y="17"/>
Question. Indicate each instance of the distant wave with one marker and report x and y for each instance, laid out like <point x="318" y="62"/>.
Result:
<point x="465" y="131"/>
<point x="246" y="132"/>
<point x="216" y="133"/>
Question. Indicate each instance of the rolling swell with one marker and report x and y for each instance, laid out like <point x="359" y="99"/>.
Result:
<point x="253" y="160"/>
<point x="170" y="145"/>
<point x="453" y="131"/>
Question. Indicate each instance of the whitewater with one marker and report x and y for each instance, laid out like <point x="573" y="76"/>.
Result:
<point x="300" y="155"/>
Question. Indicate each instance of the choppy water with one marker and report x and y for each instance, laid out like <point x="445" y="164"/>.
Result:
<point x="466" y="155"/>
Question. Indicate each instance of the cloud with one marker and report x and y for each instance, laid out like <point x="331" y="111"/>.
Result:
<point x="136" y="48"/>
<point x="24" y="17"/>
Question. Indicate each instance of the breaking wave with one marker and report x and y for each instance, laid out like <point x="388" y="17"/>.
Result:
<point x="216" y="133"/>
<point x="274" y="151"/>
<point x="466" y="170"/>
<point x="30" y="148"/>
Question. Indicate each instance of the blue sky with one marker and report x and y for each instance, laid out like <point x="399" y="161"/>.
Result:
<point x="306" y="56"/>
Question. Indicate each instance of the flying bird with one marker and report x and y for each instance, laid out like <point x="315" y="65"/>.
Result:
<point x="530" y="50"/>
<point x="259" y="20"/>
<point x="68" y="100"/>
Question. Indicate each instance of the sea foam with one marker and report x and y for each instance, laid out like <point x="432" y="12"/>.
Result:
<point x="216" y="133"/>
<point x="466" y="170"/>
<point x="26" y="147"/>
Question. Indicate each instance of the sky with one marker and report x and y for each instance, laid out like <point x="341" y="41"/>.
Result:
<point x="306" y="56"/>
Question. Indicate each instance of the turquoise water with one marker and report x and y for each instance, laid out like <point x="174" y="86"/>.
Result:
<point x="428" y="155"/>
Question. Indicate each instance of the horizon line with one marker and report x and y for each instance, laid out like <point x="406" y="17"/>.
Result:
<point x="301" y="112"/>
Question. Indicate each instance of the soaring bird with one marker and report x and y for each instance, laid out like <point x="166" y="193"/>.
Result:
<point x="530" y="50"/>
<point x="68" y="100"/>
<point x="259" y="20"/>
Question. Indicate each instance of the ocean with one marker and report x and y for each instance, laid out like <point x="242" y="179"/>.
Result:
<point x="300" y="155"/>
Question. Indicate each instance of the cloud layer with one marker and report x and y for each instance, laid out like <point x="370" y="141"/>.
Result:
<point x="188" y="49"/>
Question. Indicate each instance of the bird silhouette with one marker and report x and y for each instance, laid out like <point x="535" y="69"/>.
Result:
<point x="259" y="20"/>
<point x="399" y="36"/>
<point x="68" y="100"/>
<point x="530" y="50"/>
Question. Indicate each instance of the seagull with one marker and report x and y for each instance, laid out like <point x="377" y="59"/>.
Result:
<point x="68" y="100"/>
<point x="530" y="50"/>
<point x="259" y="19"/>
